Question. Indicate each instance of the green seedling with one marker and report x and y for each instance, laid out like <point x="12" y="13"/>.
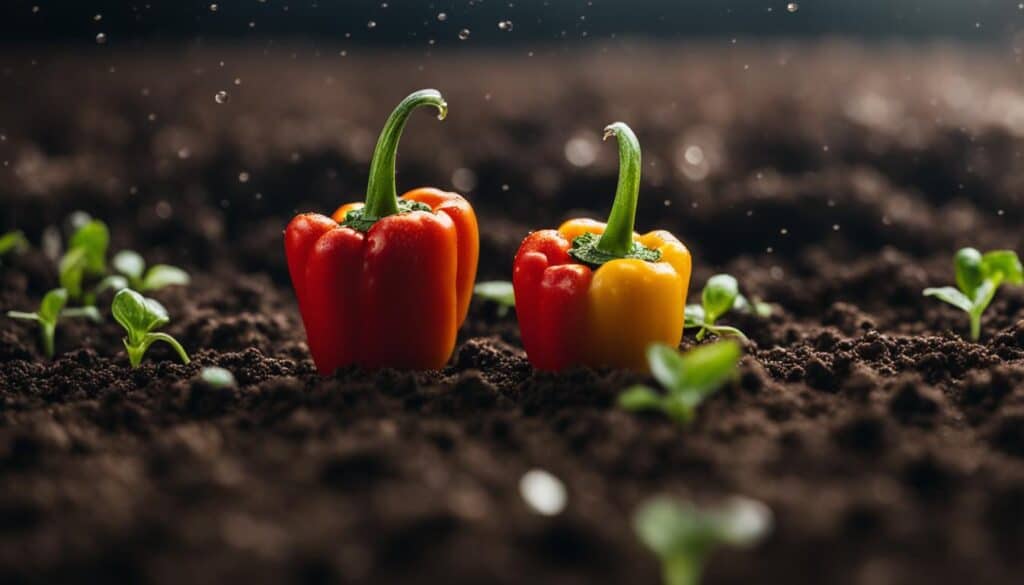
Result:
<point x="51" y="310"/>
<point x="218" y="377"/>
<point x="497" y="291"/>
<point x="688" y="379"/>
<point x="720" y="295"/>
<point x="140" y="317"/>
<point x="86" y="257"/>
<point x="684" y="535"/>
<point x="133" y="267"/>
<point x="12" y="242"/>
<point x="978" y="277"/>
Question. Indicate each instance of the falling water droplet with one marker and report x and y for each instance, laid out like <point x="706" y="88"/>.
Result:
<point x="442" y="16"/>
<point x="505" y="25"/>
<point x="371" y="24"/>
<point x="463" y="34"/>
<point x="214" y="7"/>
<point x="221" y="97"/>
<point x="581" y="150"/>
<point x="98" y="17"/>
<point x="101" y="38"/>
<point x="792" y="7"/>
<point x="544" y="493"/>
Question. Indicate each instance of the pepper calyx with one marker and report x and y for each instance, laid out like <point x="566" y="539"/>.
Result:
<point x="358" y="219"/>
<point x="586" y="251"/>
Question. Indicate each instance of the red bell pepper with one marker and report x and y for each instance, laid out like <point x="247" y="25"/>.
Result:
<point x="388" y="283"/>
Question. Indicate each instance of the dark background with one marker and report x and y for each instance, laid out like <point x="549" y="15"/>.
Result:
<point x="412" y="23"/>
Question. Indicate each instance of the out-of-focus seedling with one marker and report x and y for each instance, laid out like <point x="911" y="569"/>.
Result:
<point x="86" y="256"/>
<point x="688" y="378"/>
<point x="684" y="535"/>
<point x="140" y="318"/>
<point x="720" y="295"/>
<point x="12" y="242"/>
<point x="978" y="277"/>
<point x="497" y="291"/>
<point x="218" y="377"/>
<point x="51" y="310"/>
<point x="133" y="267"/>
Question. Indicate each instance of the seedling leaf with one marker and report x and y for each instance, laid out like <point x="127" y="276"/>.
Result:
<point x="688" y="378"/>
<point x="130" y="264"/>
<point x="718" y="296"/>
<point x="682" y="535"/>
<point x="666" y="366"/>
<point x="978" y="278"/>
<point x="53" y="302"/>
<point x="952" y="296"/>
<point x="140" y="316"/>
<point x="71" y="271"/>
<point x="162" y="275"/>
<point x="12" y="241"/>
<point x="113" y="282"/>
<point x="51" y="309"/>
<point x="967" y="265"/>
<point x="694" y="316"/>
<point x="640" y="397"/>
<point x="726" y="331"/>
<point x="754" y="306"/>
<point x="1003" y="265"/>
<point x="497" y="291"/>
<point x="137" y="314"/>
<point x="93" y="238"/>
<point x="707" y="367"/>
<point x="90" y="313"/>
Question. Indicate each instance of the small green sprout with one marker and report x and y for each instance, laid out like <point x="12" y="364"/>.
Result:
<point x="688" y="378"/>
<point x="140" y="317"/>
<point x="978" y="278"/>
<point x="86" y="256"/>
<point x="720" y="295"/>
<point x="51" y="310"/>
<point x="132" y="266"/>
<point x="684" y="535"/>
<point x="12" y="242"/>
<point x="217" y="377"/>
<point x="498" y="291"/>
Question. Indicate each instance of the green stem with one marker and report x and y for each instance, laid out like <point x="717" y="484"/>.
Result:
<point x="154" y="337"/>
<point x="48" y="332"/>
<point x="681" y="571"/>
<point x="618" y="235"/>
<point x="381" y="196"/>
<point x="135" y="353"/>
<point x="983" y="298"/>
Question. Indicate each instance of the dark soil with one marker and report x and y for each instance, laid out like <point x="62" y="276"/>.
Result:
<point x="835" y="182"/>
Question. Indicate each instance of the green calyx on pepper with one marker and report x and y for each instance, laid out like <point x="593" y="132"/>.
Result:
<point x="617" y="240"/>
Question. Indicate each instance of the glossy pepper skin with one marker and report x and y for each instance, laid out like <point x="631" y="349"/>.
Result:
<point x="388" y="285"/>
<point x="573" y="313"/>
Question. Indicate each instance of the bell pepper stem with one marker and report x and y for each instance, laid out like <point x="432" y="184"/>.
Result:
<point x="617" y="238"/>
<point x="381" y="196"/>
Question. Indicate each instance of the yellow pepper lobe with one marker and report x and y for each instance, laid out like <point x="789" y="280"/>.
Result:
<point x="631" y="304"/>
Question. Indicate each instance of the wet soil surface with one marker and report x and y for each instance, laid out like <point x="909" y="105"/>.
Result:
<point x="833" y="182"/>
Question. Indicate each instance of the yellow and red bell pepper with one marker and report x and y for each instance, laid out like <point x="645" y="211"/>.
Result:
<point x="598" y="294"/>
<point x="386" y="283"/>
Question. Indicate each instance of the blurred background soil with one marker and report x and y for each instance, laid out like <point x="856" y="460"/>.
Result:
<point x="833" y="181"/>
